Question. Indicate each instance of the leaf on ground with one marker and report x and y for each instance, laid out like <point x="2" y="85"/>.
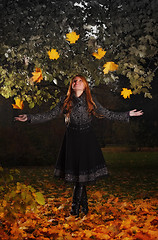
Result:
<point x="111" y="216"/>
<point x="40" y="198"/>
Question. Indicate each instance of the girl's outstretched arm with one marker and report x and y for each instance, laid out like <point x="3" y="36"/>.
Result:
<point x="122" y="116"/>
<point x="42" y="117"/>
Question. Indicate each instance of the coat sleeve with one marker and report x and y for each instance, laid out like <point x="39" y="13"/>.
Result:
<point x="46" y="116"/>
<point x="105" y="113"/>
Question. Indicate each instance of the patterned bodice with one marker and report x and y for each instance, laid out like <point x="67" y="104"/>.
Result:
<point x="79" y="114"/>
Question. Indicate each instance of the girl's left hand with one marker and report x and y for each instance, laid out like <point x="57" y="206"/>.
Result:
<point x="135" y="113"/>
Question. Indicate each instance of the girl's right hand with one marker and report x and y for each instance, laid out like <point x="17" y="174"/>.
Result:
<point x="21" y="118"/>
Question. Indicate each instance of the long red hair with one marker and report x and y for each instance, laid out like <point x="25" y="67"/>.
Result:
<point x="67" y="106"/>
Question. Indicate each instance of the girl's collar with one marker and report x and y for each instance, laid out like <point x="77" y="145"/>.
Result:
<point x="80" y="98"/>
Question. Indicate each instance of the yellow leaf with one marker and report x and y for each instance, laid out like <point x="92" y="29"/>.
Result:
<point x="126" y="92"/>
<point x="98" y="194"/>
<point x="72" y="37"/>
<point x="4" y="203"/>
<point x="18" y="104"/>
<point x="126" y="224"/>
<point x="53" y="54"/>
<point x="37" y="76"/>
<point x="2" y="215"/>
<point x="110" y="67"/>
<point x="88" y="233"/>
<point x="45" y="229"/>
<point x="70" y="218"/>
<point x="39" y="198"/>
<point x="99" y="54"/>
<point x="66" y="225"/>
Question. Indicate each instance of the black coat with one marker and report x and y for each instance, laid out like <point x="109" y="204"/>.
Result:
<point x="80" y="158"/>
<point x="79" y="114"/>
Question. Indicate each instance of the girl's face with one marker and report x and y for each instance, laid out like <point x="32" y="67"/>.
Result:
<point x="78" y="84"/>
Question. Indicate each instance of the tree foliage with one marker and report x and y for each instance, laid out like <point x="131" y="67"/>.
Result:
<point x="127" y="31"/>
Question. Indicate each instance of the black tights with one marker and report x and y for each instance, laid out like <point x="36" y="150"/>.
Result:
<point x="79" y="198"/>
<point x="79" y="184"/>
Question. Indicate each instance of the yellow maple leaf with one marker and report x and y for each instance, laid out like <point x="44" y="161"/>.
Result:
<point x="126" y="92"/>
<point x="99" y="54"/>
<point x="37" y="76"/>
<point x="72" y="37"/>
<point x="53" y="54"/>
<point x="18" y="104"/>
<point x="110" y="67"/>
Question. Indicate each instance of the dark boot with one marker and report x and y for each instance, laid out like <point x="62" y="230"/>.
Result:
<point x="76" y="200"/>
<point x="84" y="202"/>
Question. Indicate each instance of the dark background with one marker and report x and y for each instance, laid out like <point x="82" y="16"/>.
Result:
<point x="38" y="144"/>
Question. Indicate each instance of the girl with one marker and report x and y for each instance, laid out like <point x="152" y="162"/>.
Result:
<point x="80" y="160"/>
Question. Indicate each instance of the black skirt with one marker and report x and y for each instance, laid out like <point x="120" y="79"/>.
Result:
<point x="80" y="158"/>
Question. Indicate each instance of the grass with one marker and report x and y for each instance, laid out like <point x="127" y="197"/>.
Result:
<point x="131" y="160"/>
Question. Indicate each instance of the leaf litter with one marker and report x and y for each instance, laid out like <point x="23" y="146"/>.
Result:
<point x="120" y="207"/>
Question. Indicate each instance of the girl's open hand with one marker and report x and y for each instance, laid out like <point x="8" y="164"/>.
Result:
<point x="135" y="113"/>
<point x="21" y="118"/>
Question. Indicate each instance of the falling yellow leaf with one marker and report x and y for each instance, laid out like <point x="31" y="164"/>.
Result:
<point x="110" y="66"/>
<point x="72" y="37"/>
<point x="100" y="54"/>
<point x="37" y="76"/>
<point x="18" y="104"/>
<point x="126" y="92"/>
<point x="53" y="54"/>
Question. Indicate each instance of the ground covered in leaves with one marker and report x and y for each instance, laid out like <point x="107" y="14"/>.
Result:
<point x="123" y="206"/>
